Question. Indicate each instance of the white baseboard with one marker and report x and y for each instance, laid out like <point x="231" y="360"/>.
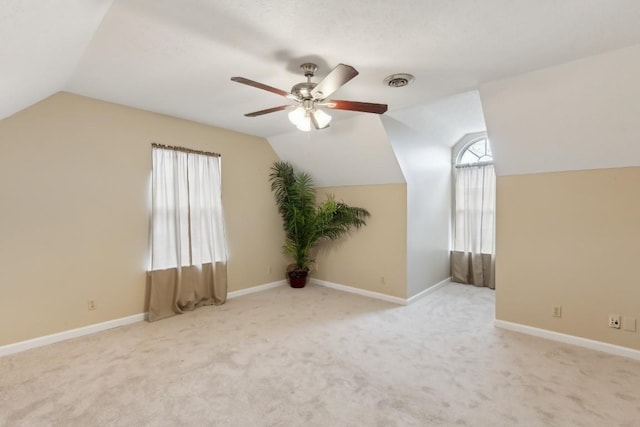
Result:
<point x="255" y="289"/>
<point x="429" y="290"/>
<point x="358" y="291"/>
<point x="91" y="329"/>
<point x="71" y="333"/>
<point x="378" y="295"/>
<point x="569" y="339"/>
<point x="97" y="327"/>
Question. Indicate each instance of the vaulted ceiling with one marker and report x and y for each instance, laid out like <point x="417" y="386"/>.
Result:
<point x="177" y="57"/>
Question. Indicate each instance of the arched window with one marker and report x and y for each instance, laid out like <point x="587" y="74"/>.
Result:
<point x="475" y="152"/>
<point x="472" y="255"/>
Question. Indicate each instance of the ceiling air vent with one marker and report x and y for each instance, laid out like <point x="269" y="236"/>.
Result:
<point x="398" y="80"/>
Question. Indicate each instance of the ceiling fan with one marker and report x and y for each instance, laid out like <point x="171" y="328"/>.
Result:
<point x="310" y="96"/>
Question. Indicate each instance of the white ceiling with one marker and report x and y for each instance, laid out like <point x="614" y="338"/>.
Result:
<point x="176" y="57"/>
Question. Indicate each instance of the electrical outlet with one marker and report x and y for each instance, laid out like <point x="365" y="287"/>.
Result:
<point x="382" y="280"/>
<point x="614" y="321"/>
<point x="91" y="305"/>
<point x="557" y="311"/>
<point x="269" y="270"/>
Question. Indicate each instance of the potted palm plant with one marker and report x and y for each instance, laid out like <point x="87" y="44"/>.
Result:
<point x="305" y="221"/>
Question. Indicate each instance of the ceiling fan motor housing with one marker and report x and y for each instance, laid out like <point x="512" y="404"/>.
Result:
<point x="303" y="90"/>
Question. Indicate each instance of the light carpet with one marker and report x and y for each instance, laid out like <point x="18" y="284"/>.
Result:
<point x="320" y="357"/>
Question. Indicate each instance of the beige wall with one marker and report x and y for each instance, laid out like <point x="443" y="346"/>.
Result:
<point x="74" y="179"/>
<point x="376" y="251"/>
<point x="567" y="208"/>
<point x="570" y="239"/>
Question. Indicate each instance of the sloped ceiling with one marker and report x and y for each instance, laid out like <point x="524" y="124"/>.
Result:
<point x="578" y="115"/>
<point x="446" y="120"/>
<point x="176" y="57"/>
<point x="370" y="149"/>
<point x="42" y="42"/>
<point x="357" y="153"/>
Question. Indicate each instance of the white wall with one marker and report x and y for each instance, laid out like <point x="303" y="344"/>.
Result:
<point x="427" y="168"/>
<point x="579" y="115"/>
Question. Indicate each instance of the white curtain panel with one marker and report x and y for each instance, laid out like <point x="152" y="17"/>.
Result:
<point x="188" y="242"/>
<point x="208" y="240"/>
<point x="188" y="220"/>
<point x="472" y="258"/>
<point x="170" y="211"/>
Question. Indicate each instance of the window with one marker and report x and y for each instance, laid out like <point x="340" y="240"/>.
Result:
<point x="474" y="212"/>
<point x="187" y="217"/>
<point x="475" y="152"/>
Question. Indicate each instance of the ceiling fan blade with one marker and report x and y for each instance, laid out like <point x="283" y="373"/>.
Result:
<point x="268" y="110"/>
<point x="340" y="75"/>
<point x="365" y="107"/>
<point x="263" y="87"/>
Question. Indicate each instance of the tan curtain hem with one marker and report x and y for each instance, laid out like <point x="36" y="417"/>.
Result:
<point x="176" y="290"/>
<point x="473" y="269"/>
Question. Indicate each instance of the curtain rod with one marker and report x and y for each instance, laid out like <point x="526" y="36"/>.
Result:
<point x="186" y="150"/>
<point x="473" y="165"/>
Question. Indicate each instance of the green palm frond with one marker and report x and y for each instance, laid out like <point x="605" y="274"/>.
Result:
<point x="305" y="222"/>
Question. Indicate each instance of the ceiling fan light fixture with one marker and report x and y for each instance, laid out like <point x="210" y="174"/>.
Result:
<point x="297" y="115"/>
<point x="300" y="118"/>
<point x="304" y="125"/>
<point x="322" y="118"/>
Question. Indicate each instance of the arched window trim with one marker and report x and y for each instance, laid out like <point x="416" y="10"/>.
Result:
<point x="463" y="145"/>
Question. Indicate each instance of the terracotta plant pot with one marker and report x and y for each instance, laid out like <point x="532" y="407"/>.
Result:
<point x="298" y="278"/>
